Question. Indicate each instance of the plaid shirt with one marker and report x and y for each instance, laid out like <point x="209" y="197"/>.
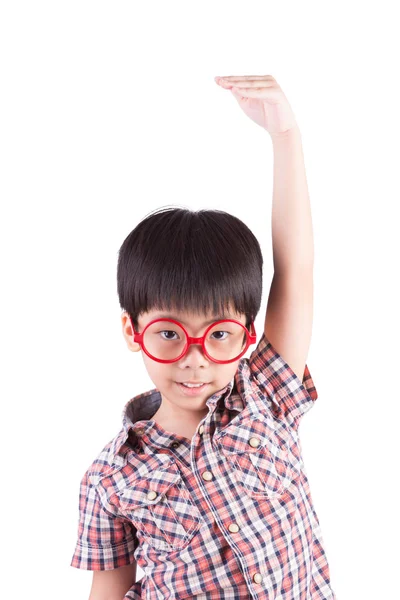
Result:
<point x="225" y="515"/>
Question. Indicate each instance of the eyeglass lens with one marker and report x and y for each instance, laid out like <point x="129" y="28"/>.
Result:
<point x="166" y="341"/>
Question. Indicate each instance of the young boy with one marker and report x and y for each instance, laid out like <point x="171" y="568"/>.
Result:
<point x="204" y="487"/>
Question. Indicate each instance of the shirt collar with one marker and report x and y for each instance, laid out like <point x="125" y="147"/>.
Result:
<point x="138" y="411"/>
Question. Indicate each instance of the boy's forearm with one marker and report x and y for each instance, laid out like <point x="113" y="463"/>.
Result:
<point x="292" y="234"/>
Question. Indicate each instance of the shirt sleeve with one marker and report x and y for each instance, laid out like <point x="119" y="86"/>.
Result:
<point x="105" y="541"/>
<point x="276" y="379"/>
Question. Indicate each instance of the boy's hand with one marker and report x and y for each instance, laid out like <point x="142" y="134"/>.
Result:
<point x="262" y="99"/>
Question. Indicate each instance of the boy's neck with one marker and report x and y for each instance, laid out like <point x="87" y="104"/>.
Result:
<point x="183" y="423"/>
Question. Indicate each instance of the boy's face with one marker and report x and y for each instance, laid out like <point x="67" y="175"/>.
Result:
<point x="193" y="367"/>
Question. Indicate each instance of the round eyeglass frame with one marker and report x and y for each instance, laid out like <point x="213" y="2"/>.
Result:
<point x="250" y="336"/>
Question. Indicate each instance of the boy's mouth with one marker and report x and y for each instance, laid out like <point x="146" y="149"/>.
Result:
<point x="193" y="389"/>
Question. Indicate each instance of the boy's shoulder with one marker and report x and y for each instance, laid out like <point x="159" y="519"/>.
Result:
<point x="105" y="463"/>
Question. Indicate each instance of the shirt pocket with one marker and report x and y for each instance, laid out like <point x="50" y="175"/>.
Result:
<point x="259" y="457"/>
<point x="161" y="509"/>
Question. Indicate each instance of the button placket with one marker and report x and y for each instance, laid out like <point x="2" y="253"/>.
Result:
<point x="208" y="476"/>
<point x="234" y="527"/>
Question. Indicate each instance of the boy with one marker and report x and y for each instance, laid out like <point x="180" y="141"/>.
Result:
<point x="204" y="486"/>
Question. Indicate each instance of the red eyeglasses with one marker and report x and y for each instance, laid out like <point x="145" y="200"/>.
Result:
<point x="221" y="350"/>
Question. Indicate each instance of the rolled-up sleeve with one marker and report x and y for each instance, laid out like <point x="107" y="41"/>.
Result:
<point x="275" y="378"/>
<point x="105" y="541"/>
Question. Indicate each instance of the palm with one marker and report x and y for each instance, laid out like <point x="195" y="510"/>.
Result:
<point x="263" y="101"/>
<point x="255" y="109"/>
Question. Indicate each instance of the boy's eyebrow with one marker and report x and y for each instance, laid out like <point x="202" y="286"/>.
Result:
<point x="183" y="322"/>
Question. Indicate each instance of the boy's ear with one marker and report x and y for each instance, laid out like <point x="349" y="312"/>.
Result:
<point x="127" y="331"/>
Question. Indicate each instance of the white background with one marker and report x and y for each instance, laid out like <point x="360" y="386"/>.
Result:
<point x="110" y="110"/>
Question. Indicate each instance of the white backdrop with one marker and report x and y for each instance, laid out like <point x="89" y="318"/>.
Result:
<point x="110" y="110"/>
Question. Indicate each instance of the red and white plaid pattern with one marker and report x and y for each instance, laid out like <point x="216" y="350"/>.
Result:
<point x="226" y="515"/>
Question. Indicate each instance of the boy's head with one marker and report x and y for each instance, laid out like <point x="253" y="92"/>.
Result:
<point x="193" y="266"/>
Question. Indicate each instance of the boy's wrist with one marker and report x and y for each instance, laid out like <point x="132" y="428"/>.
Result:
<point x="293" y="132"/>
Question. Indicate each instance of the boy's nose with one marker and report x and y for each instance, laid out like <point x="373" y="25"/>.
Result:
<point x="194" y="356"/>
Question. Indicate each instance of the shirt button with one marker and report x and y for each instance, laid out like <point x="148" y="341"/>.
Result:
<point x="233" y="527"/>
<point x="151" y="495"/>
<point x="257" y="578"/>
<point x="201" y="429"/>
<point x="254" y="442"/>
<point x="175" y="444"/>
<point x="139" y="430"/>
<point x="207" y="475"/>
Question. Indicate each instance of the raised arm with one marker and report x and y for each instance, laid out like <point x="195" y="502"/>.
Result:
<point x="288" y="319"/>
<point x="289" y="314"/>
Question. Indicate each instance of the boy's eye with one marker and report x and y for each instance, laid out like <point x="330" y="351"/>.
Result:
<point x="220" y="338"/>
<point x="214" y="333"/>
<point x="168" y="331"/>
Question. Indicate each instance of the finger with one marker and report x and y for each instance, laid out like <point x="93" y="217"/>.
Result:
<point x="259" y="83"/>
<point x="245" y="77"/>
<point x="264" y="92"/>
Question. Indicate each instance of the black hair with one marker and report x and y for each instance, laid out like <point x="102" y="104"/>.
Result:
<point x="199" y="261"/>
